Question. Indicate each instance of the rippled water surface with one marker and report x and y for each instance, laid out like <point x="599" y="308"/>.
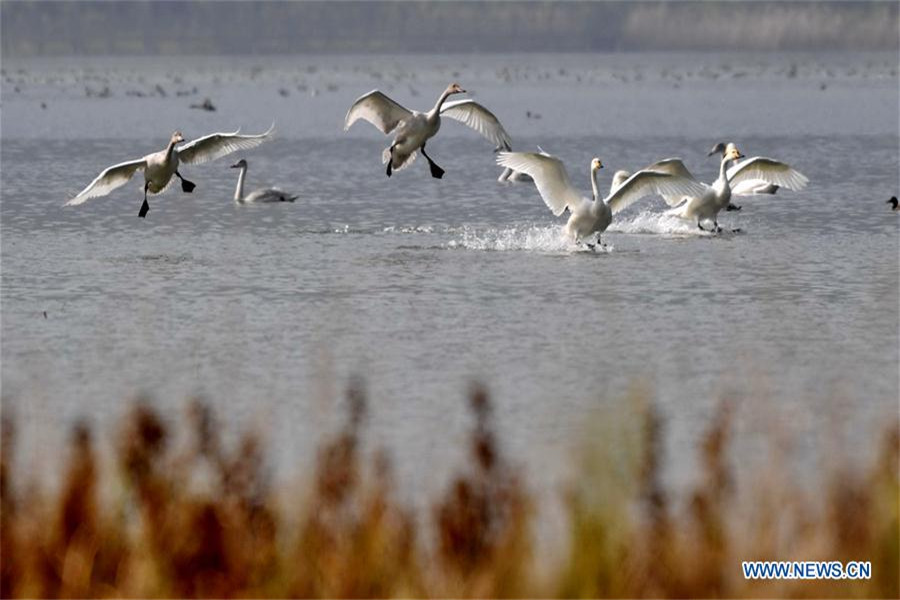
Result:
<point x="422" y="286"/>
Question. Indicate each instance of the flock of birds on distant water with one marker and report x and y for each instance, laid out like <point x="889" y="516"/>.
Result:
<point x="690" y="199"/>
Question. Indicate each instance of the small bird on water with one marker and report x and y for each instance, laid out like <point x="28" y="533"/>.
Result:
<point x="895" y="205"/>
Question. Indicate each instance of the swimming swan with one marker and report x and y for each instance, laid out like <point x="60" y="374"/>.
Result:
<point x="588" y="217"/>
<point x="412" y="129"/>
<point x="260" y="195"/>
<point x="717" y="196"/>
<point x="159" y="167"/>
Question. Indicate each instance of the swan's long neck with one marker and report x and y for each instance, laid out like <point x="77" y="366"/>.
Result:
<point x="594" y="186"/>
<point x="440" y="102"/>
<point x="170" y="150"/>
<point x="239" y="190"/>
<point x="722" y="186"/>
<point x="723" y="168"/>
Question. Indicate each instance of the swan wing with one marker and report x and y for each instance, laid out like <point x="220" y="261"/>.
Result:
<point x="474" y="115"/>
<point x="110" y="179"/>
<point x="767" y="169"/>
<point x="377" y="109"/>
<point x="510" y="176"/>
<point x="549" y="175"/>
<point x="646" y="183"/>
<point x="751" y="187"/>
<point x="505" y="175"/>
<point x="618" y="179"/>
<point x="216" y="145"/>
<point x="672" y="166"/>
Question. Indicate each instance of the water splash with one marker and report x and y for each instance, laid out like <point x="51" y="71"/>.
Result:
<point x="408" y="229"/>
<point x="546" y="238"/>
<point x="655" y="222"/>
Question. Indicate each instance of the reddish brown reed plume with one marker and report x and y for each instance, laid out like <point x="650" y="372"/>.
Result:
<point x="355" y="539"/>
<point x="482" y="521"/>
<point x="204" y="519"/>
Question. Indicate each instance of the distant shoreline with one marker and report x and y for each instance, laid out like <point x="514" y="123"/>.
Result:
<point x="215" y="28"/>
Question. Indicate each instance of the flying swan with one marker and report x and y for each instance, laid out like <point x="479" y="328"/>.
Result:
<point x="412" y="129"/>
<point x="260" y="195"/>
<point x="159" y="167"/>
<point x="717" y="196"/>
<point x="591" y="216"/>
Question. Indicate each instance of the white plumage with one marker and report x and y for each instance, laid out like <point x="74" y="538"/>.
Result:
<point x="412" y="129"/>
<point x="508" y="175"/>
<point x="216" y="145"/>
<point x="759" y="171"/>
<point x="752" y="173"/>
<point x="159" y="167"/>
<point x="590" y="216"/>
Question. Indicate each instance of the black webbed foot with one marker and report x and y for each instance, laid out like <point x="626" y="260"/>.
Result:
<point x="145" y="208"/>
<point x="186" y="186"/>
<point x="732" y="207"/>
<point x="436" y="171"/>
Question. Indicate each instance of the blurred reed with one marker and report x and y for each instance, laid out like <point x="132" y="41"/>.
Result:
<point x="204" y="520"/>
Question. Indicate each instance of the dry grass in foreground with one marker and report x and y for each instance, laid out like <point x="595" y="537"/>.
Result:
<point x="161" y="534"/>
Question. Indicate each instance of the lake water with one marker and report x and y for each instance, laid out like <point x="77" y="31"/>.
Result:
<point x="423" y="286"/>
